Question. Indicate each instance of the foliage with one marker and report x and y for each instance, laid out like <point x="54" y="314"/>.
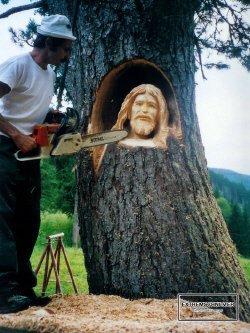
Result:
<point x="55" y="223"/>
<point x="221" y="26"/>
<point x="231" y="190"/>
<point x="76" y="260"/>
<point x="239" y="229"/>
<point x="235" y="214"/>
<point x="233" y="176"/>
<point x="50" y="193"/>
<point x="66" y="184"/>
<point x="24" y="36"/>
<point x="225" y="207"/>
<point x="238" y="222"/>
<point x="58" y="185"/>
<point x="59" y="88"/>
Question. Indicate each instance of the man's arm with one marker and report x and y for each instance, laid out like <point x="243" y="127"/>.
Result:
<point x="24" y="142"/>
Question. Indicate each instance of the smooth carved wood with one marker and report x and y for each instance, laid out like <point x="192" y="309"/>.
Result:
<point x="144" y="113"/>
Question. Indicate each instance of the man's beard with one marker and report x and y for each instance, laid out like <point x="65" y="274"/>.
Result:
<point x="143" y="127"/>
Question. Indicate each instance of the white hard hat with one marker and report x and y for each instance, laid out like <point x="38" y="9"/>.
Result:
<point x="56" y="26"/>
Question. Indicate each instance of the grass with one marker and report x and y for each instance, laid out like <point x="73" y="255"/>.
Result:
<point x="54" y="223"/>
<point x="76" y="260"/>
<point x="245" y="264"/>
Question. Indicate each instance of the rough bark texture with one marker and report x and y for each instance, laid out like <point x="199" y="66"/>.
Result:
<point x="150" y="226"/>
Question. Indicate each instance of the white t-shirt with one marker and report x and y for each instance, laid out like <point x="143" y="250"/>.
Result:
<point x="26" y="105"/>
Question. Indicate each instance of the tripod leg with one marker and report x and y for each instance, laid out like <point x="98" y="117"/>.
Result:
<point x="69" y="268"/>
<point x="55" y="269"/>
<point x="41" y="260"/>
<point x="46" y="270"/>
<point x="58" y="257"/>
<point x="51" y="265"/>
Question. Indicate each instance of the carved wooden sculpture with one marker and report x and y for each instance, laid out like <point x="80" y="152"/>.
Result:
<point x="144" y="112"/>
<point x="145" y="115"/>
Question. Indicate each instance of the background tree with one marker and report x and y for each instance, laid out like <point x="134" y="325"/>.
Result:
<point x="225" y="207"/>
<point x="239" y="229"/>
<point x="233" y="190"/>
<point x="233" y="199"/>
<point x="150" y="225"/>
<point x="58" y="185"/>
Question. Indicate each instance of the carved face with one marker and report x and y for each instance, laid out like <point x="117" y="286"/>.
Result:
<point x="143" y="115"/>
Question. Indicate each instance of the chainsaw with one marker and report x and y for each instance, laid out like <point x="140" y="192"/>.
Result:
<point x="58" y="137"/>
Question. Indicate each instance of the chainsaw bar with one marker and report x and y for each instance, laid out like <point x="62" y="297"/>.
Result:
<point x="71" y="143"/>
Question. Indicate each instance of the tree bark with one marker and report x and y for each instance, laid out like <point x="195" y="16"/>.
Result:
<point x="149" y="224"/>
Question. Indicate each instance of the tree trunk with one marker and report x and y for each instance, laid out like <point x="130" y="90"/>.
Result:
<point x="149" y="224"/>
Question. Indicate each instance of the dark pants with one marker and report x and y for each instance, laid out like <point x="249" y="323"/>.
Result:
<point x="20" y="191"/>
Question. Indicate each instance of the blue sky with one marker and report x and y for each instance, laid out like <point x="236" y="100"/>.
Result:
<point x="222" y="101"/>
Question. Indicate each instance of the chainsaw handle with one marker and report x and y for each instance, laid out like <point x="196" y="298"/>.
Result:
<point x="34" y="154"/>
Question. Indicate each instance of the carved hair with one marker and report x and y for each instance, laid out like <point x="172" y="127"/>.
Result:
<point x="161" y="131"/>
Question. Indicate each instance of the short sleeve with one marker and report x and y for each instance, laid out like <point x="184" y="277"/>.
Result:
<point x="9" y="73"/>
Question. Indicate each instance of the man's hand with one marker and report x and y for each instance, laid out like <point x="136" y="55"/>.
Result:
<point x="24" y="142"/>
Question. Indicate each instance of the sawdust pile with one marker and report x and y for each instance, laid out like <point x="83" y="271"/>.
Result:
<point x="107" y="314"/>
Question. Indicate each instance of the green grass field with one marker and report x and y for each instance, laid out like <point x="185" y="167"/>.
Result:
<point x="76" y="260"/>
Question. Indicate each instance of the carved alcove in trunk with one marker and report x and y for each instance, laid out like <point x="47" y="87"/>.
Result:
<point x="119" y="82"/>
<point x="114" y="88"/>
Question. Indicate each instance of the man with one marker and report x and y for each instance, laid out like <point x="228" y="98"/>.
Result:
<point x="26" y="89"/>
<point x="145" y="114"/>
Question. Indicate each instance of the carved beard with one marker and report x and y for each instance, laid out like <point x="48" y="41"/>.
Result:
<point x="142" y="127"/>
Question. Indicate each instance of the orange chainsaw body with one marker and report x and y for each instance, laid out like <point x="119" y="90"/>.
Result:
<point x="41" y="133"/>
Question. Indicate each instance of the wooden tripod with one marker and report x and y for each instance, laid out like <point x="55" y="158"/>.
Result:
<point x="55" y="263"/>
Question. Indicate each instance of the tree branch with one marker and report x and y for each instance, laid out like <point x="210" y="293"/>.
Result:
<point x="196" y="42"/>
<point x="22" y="8"/>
